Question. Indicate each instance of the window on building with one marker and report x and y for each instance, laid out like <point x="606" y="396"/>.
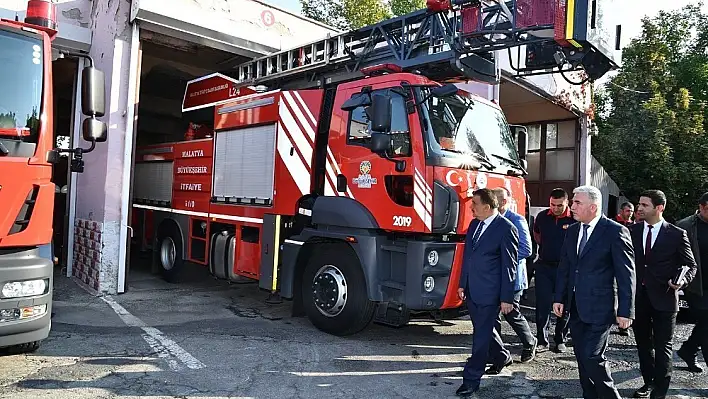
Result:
<point x="552" y="158"/>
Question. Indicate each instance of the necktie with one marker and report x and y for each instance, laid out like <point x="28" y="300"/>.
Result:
<point x="477" y="234"/>
<point x="583" y="239"/>
<point x="647" y="251"/>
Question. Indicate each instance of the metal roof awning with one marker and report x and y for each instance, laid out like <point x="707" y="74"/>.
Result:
<point x="523" y="102"/>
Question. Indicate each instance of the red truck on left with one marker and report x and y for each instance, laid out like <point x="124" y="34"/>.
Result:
<point x="27" y="154"/>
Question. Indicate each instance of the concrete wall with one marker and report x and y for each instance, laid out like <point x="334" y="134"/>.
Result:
<point x="99" y="187"/>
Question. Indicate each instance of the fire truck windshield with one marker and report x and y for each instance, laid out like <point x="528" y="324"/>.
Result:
<point x="21" y="71"/>
<point x="462" y="125"/>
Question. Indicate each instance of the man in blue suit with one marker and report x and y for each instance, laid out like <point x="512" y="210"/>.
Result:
<point x="516" y="320"/>
<point x="596" y="284"/>
<point x="487" y="281"/>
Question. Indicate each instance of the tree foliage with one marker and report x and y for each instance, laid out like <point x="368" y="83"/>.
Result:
<point x="653" y="115"/>
<point x="354" y="14"/>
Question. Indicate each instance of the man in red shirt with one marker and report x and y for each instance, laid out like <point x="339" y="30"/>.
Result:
<point x="625" y="218"/>
<point x="625" y="215"/>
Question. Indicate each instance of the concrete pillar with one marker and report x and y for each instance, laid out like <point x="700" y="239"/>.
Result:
<point x="98" y="205"/>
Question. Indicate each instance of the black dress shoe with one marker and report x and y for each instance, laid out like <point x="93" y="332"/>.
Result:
<point x="690" y="362"/>
<point x="494" y="370"/>
<point x="466" y="390"/>
<point x="643" y="392"/>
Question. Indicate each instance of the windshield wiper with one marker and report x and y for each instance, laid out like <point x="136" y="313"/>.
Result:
<point x="3" y="150"/>
<point x="481" y="158"/>
<point x="485" y="161"/>
<point x="512" y="162"/>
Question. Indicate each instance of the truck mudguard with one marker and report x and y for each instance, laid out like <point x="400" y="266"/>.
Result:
<point x="298" y="248"/>
<point x="342" y="212"/>
<point x="166" y="220"/>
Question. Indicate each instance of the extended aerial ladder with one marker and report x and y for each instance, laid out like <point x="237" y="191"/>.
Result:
<point x="454" y="40"/>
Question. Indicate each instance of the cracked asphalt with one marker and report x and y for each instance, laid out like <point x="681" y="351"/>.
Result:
<point x="245" y="348"/>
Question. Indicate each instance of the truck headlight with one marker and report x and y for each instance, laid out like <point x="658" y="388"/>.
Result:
<point x="433" y="258"/>
<point x="429" y="284"/>
<point x="16" y="289"/>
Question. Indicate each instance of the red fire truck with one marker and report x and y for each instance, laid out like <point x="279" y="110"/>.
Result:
<point x="26" y="157"/>
<point x="339" y="174"/>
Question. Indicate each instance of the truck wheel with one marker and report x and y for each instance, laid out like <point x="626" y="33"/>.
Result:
<point x="169" y="255"/>
<point x="334" y="291"/>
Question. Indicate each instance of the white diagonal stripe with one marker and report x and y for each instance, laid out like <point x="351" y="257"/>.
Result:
<point x="298" y="170"/>
<point x="332" y="178"/>
<point x="296" y="94"/>
<point x="335" y="165"/>
<point x="298" y="114"/>
<point x="328" y="190"/>
<point x="301" y="142"/>
<point x="334" y="162"/>
<point x="422" y="181"/>
<point x="418" y="206"/>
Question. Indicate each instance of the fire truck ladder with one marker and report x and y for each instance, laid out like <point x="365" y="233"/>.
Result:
<point x="454" y="44"/>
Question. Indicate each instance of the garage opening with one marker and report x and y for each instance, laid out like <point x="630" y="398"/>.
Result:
<point x="166" y="66"/>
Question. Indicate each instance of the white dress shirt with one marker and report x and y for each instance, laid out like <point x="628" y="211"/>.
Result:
<point x="654" y="232"/>
<point x="592" y="224"/>
<point x="486" y="224"/>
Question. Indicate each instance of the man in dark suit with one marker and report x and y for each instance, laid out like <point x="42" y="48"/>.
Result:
<point x="596" y="253"/>
<point x="696" y="293"/>
<point x="487" y="282"/>
<point x="660" y="250"/>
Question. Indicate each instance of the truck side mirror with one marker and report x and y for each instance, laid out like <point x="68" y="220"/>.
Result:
<point x="380" y="113"/>
<point x="93" y="92"/>
<point x="94" y="130"/>
<point x="522" y="140"/>
<point x="445" y="90"/>
<point x="356" y="101"/>
<point x="380" y="142"/>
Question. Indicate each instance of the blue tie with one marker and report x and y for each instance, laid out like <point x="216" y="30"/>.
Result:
<point x="583" y="239"/>
<point x="477" y="234"/>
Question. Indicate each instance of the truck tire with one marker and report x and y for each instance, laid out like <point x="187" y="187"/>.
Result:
<point x="334" y="291"/>
<point x="28" y="347"/>
<point x="169" y="254"/>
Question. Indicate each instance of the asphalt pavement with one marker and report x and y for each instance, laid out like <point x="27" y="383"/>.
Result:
<point x="210" y="339"/>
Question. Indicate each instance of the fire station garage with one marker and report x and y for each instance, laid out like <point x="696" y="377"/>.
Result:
<point x="172" y="52"/>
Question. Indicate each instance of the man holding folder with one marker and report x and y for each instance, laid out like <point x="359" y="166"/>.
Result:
<point x="664" y="264"/>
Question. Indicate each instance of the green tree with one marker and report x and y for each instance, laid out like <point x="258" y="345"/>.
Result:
<point x="652" y="116"/>
<point x="354" y="14"/>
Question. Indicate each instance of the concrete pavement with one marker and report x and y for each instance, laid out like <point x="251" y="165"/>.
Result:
<point x="209" y="339"/>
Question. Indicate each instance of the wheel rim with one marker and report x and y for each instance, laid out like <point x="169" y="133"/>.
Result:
<point x="168" y="253"/>
<point x="329" y="290"/>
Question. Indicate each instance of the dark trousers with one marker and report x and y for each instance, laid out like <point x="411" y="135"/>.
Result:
<point x="654" y="332"/>
<point x="518" y="323"/>
<point x="483" y="317"/>
<point x="699" y="336"/>
<point x="590" y="343"/>
<point x="545" y="290"/>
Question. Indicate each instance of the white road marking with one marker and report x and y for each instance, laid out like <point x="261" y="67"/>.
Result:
<point x="161" y="345"/>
